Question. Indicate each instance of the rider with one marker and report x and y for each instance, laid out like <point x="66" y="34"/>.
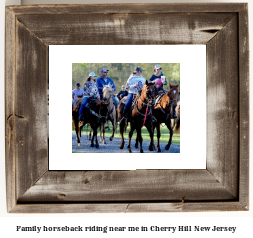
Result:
<point x="135" y="83"/>
<point x="122" y="93"/>
<point x="156" y="77"/>
<point x="77" y="92"/>
<point x="105" y="80"/>
<point x="90" y="90"/>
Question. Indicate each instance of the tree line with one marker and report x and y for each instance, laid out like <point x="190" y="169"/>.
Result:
<point x="120" y="72"/>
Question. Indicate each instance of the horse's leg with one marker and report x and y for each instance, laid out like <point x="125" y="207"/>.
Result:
<point x="171" y="134"/>
<point x="132" y="128"/>
<point x="92" y="139"/>
<point x="80" y="131"/>
<point x="108" y="123"/>
<point x="113" y="120"/>
<point x="158" y="130"/>
<point x="122" y="129"/>
<point x="103" y="127"/>
<point x="150" y="129"/>
<point x="95" y="135"/>
<point x="77" y="128"/>
<point x="89" y="138"/>
<point x="138" y="129"/>
<point x="100" y="131"/>
<point x="136" y="143"/>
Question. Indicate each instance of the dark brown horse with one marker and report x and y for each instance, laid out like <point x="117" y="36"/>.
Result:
<point x="163" y="113"/>
<point x="139" y="116"/>
<point x="95" y="116"/>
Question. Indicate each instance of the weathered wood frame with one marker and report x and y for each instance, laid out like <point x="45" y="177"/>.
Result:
<point x="223" y="186"/>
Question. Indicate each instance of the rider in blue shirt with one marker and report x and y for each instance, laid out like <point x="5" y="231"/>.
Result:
<point x="105" y="80"/>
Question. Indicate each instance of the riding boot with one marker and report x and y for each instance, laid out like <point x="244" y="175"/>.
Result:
<point x="124" y="112"/>
<point x="174" y="113"/>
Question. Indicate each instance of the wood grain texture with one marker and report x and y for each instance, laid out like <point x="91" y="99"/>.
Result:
<point x="129" y="8"/>
<point x="222" y="187"/>
<point x="222" y="107"/>
<point x="10" y="60"/>
<point x="30" y="108"/>
<point x="125" y="29"/>
<point x="244" y="106"/>
<point x="129" y="207"/>
<point x="140" y="185"/>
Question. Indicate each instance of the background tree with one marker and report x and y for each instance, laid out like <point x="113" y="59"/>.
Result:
<point x="120" y="72"/>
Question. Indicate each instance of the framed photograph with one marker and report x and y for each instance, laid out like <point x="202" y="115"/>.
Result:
<point x="45" y="47"/>
<point x="190" y="66"/>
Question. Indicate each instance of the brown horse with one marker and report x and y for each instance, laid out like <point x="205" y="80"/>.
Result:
<point x="163" y="113"/>
<point x="176" y="122"/>
<point x="95" y="116"/>
<point x="140" y="115"/>
<point x="111" y="116"/>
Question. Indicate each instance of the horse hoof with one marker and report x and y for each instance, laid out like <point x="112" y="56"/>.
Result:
<point x="91" y="145"/>
<point x="79" y="144"/>
<point x="141" y="151"/>
<point x="111" y="138"/>
<point x="151" y="148"/>
<point x="129" y="150"/>
<point x="121" y="147"/>
<point x="167" y="147"/>
<point x="97" y="146"/>
<point x="104" y="142"/>
<point x="158" y="150"/>
<point x="89" y="138"/>
<point x="136" y="146"/>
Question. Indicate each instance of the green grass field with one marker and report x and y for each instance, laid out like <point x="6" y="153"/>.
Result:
<point x="145" y="135"/>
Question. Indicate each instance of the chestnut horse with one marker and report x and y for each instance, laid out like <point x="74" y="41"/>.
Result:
<point x="176" y="122"/>
<point x="112" y="116"/>
<point x="95" y="115"/>
<point x="140" y="115"/>
<point x="163" y="113"/>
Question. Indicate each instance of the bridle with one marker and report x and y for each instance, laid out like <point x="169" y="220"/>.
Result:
<point x="111" y="110"/>
<point x="148" y="105"/>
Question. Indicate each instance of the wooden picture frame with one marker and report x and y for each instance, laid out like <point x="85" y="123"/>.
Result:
<point x="222" y="186"/>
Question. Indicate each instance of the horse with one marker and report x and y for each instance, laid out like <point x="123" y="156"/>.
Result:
<point x="163" y="112"/>
<point x="111" y="116"/>
<point x="140" y="115"/>
<point x="95" y="116"/>
<point x="176" y="122"/>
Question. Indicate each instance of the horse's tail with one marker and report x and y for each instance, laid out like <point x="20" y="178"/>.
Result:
<point x="177" y="126"/>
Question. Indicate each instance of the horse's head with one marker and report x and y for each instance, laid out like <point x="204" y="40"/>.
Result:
<point x="102" y="110"/>
<point x="107" y="92"/>
<point x="149" y="92"/>
<point x="173" y="93"/>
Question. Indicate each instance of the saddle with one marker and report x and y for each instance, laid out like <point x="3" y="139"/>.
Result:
<point x="134" y="101"/>
<point x="77" y="104"/>
<point x="159" y="96"/>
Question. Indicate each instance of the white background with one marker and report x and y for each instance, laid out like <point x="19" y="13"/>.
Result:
<point x="192" y="59"/>
<point x="243" y="220"/>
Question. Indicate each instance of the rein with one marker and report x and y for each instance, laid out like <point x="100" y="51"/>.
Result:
<point x="146" y="113"/>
